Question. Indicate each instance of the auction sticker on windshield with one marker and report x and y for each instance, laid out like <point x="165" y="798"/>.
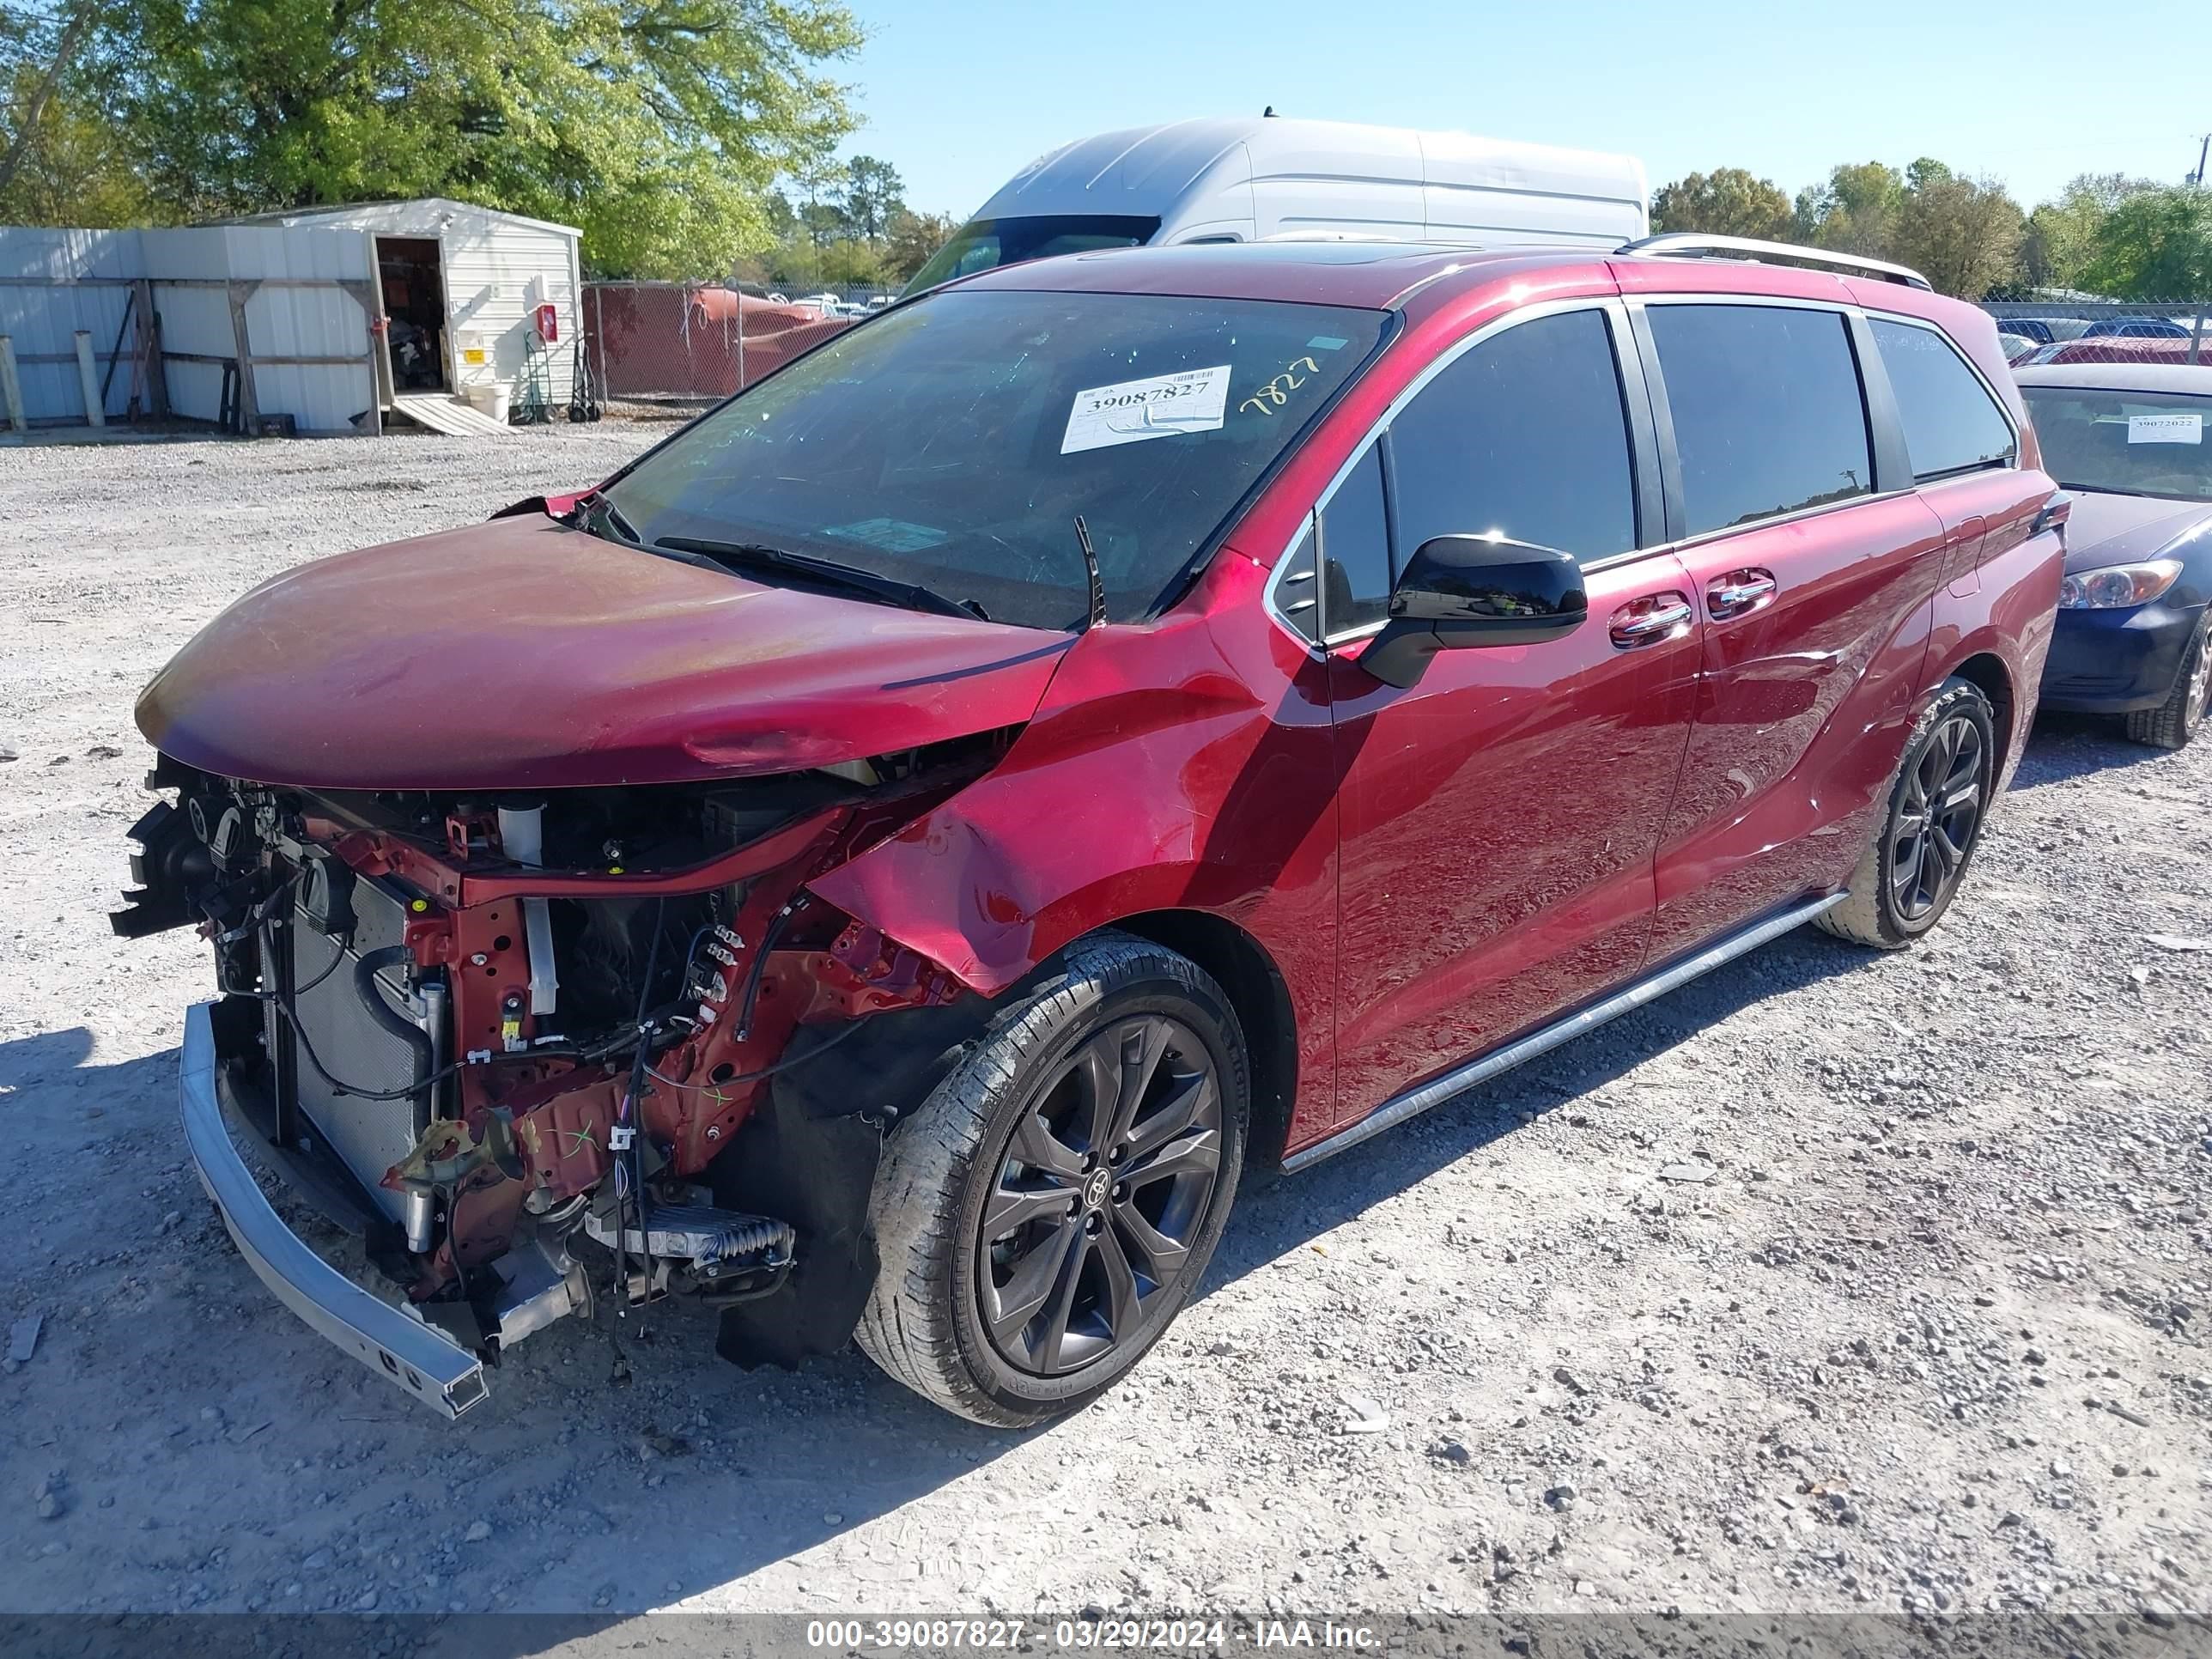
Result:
<point x="2165" y="428"/>
<point x="1130" y="411"/>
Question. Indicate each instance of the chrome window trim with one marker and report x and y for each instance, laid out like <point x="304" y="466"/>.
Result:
<point x="1773" y="521"/>
<point x="2004" y="409"/>
<point x="1616" y="315"/>
<point x="1618" y="309"/>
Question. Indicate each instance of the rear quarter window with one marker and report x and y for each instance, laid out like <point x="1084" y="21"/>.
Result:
<point x="1769" y="416"/>
<point x="1951" y="422"/>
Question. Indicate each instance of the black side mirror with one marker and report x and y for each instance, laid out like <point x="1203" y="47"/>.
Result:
<point x="1460" y="591"/>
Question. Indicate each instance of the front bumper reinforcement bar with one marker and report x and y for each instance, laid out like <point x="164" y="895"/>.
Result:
<point x="402" y="1350"/>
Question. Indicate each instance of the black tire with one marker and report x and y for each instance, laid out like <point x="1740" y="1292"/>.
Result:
<point x="967" y="1207"/>
<point x="2174" y="721"/>
<point x="1939" y="799"/>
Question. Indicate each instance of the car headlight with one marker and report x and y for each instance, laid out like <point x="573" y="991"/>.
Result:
<point x="2116" y="586"/>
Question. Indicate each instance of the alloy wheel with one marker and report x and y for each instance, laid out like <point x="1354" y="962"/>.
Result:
<point x="1937" y="817"/>
<point x="2200" y="684"/>
<point x="1099" y="1195"/>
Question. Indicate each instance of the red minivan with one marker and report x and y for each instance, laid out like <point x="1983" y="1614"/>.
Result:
<point x="883" y="862"/>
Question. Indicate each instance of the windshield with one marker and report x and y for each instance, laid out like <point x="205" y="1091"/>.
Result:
<point x="982" y="244"/>
<point x="954" y="441"/>
<point x="2130" y="443"/>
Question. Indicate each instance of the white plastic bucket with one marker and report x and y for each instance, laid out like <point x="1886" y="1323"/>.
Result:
<point x="489" y="399"/>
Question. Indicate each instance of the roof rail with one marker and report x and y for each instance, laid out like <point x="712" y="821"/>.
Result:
<point x="1695" y="244"/>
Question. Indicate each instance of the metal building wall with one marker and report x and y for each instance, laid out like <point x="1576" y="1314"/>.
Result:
<point x="281" y="321"/>
<point x="193" y="319"/>
<point x="498" y="269"/>
<point x="497" y="273"/>
<point x="42" y="319"/>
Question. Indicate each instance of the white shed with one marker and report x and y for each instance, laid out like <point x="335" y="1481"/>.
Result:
<point x="460" y="288"/>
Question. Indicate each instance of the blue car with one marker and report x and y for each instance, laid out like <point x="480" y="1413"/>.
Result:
<point x="2133" y="441"/>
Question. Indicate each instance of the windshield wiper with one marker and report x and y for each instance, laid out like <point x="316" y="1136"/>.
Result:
<point x="912" y="596"/>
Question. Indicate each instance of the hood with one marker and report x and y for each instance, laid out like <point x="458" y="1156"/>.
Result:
<point x="2104" y="530"/>
<point x="524" y="654"/>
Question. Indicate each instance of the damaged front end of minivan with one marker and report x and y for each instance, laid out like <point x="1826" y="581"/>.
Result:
<point x="537" y="1044"/>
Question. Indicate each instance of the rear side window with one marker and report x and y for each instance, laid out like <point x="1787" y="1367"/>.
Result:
<point x="1768" y="414"/>
<point x="1524" y="435"/>
<point x="1951" y="422"/>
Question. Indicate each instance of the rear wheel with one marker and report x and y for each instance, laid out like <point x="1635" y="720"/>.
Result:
<point x="1938" y="800"/>
<point x="1049" y="1209"/>
<point x="2174" y="721"/>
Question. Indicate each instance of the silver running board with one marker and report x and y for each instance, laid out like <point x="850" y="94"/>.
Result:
<point x="1391" y="1113"/>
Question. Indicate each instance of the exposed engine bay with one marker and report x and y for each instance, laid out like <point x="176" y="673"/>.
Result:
<point x="537" y="1048"/>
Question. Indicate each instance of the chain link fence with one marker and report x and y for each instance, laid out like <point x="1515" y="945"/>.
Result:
<point x="700" y="341"/>
<point x="2085" y="329"/>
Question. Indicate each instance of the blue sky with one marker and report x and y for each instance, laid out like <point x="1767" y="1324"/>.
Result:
<point x="958" y="96"/>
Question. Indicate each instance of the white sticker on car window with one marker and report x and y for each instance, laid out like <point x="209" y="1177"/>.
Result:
<point x="2165" y="428"/>
<point x="1130" y="411"/>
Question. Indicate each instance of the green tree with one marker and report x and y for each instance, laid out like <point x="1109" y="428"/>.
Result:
<point x="72" y="169"/>
<point x="2154" y="244"/>
<point x="853" y="264"/>
<point x="1963" y="234"/>
<point x="1726" y="201"/>
<point x="656" y="125"/>
<point x="873" y="193"/>
<point x="913" y="237"/>
<point x="1854" y="211"/>
<point x="817" y="181"/>
<point x="2062" y="235"/>
<point x="1926" y="172"/>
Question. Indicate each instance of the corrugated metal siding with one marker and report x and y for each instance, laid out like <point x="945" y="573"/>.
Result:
<point x="497" y="273"/>
<point x="424" y="216"/>
<point x="192" y="319"/>
<point x="43" y="320"/>
<point x="498" y="269"/>
<point x="307" y="322"/>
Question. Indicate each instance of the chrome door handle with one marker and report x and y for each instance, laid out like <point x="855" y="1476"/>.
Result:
<point x="1740" y="590"/>
<point x="1668" y="615"/>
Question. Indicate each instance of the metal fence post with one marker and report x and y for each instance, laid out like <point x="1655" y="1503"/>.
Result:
<point x="11" y="388"/>
<point x="87" y="374"/>
<point x="690" y="352"/>
<point x="249" y="406"/>
<point x="599" y="343"/>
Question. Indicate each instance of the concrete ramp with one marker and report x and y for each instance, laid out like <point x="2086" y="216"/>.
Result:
<point x="448" y="414"/>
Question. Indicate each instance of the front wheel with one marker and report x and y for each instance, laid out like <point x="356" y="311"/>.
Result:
<point x="1938" y="800"/>
<point x="2174" y="721"/>
<point x="1046" y="1212"/>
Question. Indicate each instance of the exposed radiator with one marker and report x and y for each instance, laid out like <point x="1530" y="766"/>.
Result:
<point x="369" y="1136"/>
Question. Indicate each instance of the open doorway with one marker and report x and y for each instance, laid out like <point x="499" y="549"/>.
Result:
<point x="408" y="268"/>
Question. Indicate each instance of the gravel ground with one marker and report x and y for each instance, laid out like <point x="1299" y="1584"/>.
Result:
<point x="1836" y="1281"/>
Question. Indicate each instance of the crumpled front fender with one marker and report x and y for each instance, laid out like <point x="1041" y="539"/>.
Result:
<point x="1152" y="777"/>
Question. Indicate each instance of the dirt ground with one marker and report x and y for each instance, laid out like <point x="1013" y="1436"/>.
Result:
<point x="1924" y="1328"/>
